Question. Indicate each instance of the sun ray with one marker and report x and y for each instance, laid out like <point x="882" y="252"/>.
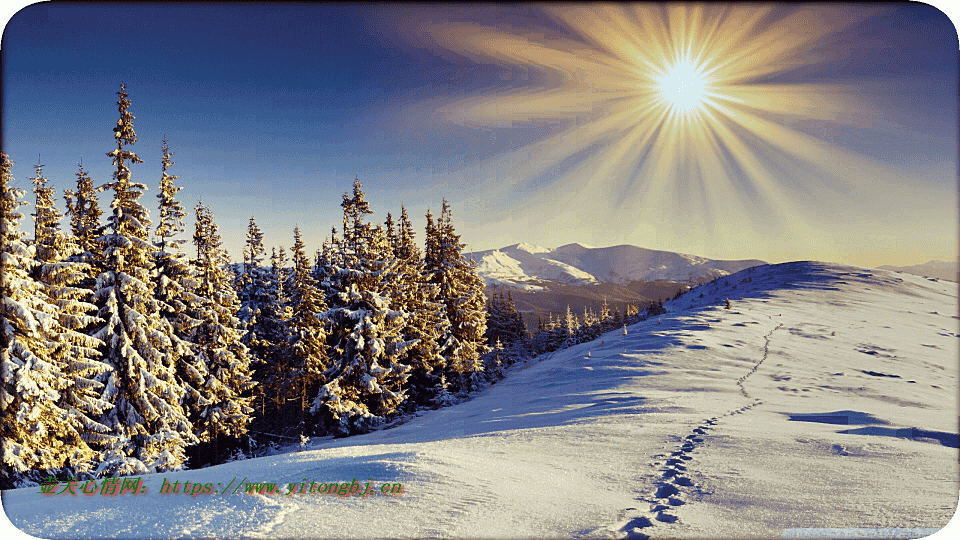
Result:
<point x="674" y="100"/>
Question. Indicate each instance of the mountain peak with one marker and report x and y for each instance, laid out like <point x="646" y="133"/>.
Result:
<point x="523" y="246"/>
<point x="577" y="263"/>
<point x="576" y="246"/>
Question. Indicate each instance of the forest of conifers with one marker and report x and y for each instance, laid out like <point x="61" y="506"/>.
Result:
<point x="122" y="354"/>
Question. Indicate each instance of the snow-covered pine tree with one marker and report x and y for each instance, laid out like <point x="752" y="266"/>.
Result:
<point x="84" y="212"/>
<point x="34" y="429"/>
<point x="147" y="417"/>
<point x="252" y="289"/>
<point x="655" y="309"/>
<point x="365" y="382"/>
<point x="263" y="317"/>
<point x="393" y="240"/>
<point x="569" y="327"/>
<point x="428" y="328"/>
<point x="268" y="341"/>
<point x="175" y="282"/>
<point x="516" y="329"/>
<point x="504" y="323"/>
<point x="73" y="352"/>
<point x="550" y="338"/>
<point x="496" y="323"/>
<point x="227" y="389"/>
<point x="590" y="329"/>
<point x="328" y="265"/>
<point x="616" y="320"/>
<point x="306" y="352"/>
<point x="461" y="292"/>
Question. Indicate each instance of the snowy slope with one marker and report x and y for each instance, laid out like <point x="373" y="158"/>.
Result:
<point x="526" y="266"/>
<point x="825" y="397"/>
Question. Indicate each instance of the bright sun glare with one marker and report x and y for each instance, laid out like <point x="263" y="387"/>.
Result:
<point x="668" y="110"/>
<point x="683" y="86"/>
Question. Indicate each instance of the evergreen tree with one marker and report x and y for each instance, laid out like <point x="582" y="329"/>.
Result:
<point x="175" y="283"/>
<point x="147" y="416"/>
<point x="365" y="382"/>
<point x="461" y="292"/>
<point x="328" y="264"/>
<point x="655" y="309"/>
<point x="516" y="329"/>
<point x="605" y="317"/>
<point x="252" y="290"/>
<point x="73" y="352"/>
<point x="37" y="433"/>
<point x="591" y="325"/>
<point x="504" y="322"/>
<point x="307" y="351"/>
<point x="268" y="338"/>
<point x="496" y="318"/>
<point x="569" y="326"/>
<point x="263" y="315"/>
<point x="427" y="325"/>
<point x="84" y="212"/>
<point x="227" y="390"/>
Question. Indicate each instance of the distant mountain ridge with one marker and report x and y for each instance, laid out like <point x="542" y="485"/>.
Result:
<point x="529" y="267"/>
<point x="933" y="269"/>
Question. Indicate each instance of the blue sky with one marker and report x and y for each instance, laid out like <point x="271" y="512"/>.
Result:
<point x="272" y="110"/>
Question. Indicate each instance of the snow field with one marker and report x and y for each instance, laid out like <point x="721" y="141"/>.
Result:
<point x="649" y="435"/>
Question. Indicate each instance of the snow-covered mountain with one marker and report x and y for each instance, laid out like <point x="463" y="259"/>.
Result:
<point x="527" y="267"/>
<point x="823" y="398"/>
<point x="933" y="269"/>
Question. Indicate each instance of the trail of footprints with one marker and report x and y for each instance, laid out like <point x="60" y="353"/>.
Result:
<point x="766" y="350"/>
<point x="675" y="486"/>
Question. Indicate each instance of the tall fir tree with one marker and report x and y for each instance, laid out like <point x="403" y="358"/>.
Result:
<point x="516" y="329"/>
<point x="148" y="419"/>
<point x="307" y="350"/>
<point x="84" y="211"/>
<point x="427" y="325"/>
<point x="263" y="316"/>
<point x="251" y="289"/>
<point x="39" y="433"/>
<point x="227" y="390"/>
<point x="365" y="382"/>
<point x="269" y="339"/>
<point x="569" y="328"/>
<point x="72" y="350"/>
<point x="461" y="292"/>
<point x="31" y="381"/>
<point x="175" y="282"/>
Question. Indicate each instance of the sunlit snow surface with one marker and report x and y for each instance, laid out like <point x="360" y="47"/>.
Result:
<point x="825" y="397"/>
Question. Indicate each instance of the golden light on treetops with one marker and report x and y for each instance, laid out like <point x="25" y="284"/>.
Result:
<point x="702" y="116"/>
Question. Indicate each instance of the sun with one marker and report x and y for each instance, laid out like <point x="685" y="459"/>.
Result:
<point x="683" y="87"/>
<point x="685" y="111"/>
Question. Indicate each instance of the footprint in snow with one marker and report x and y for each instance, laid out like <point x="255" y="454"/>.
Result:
<point x="666" y="518"/>
<point x="665" y="491"/>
